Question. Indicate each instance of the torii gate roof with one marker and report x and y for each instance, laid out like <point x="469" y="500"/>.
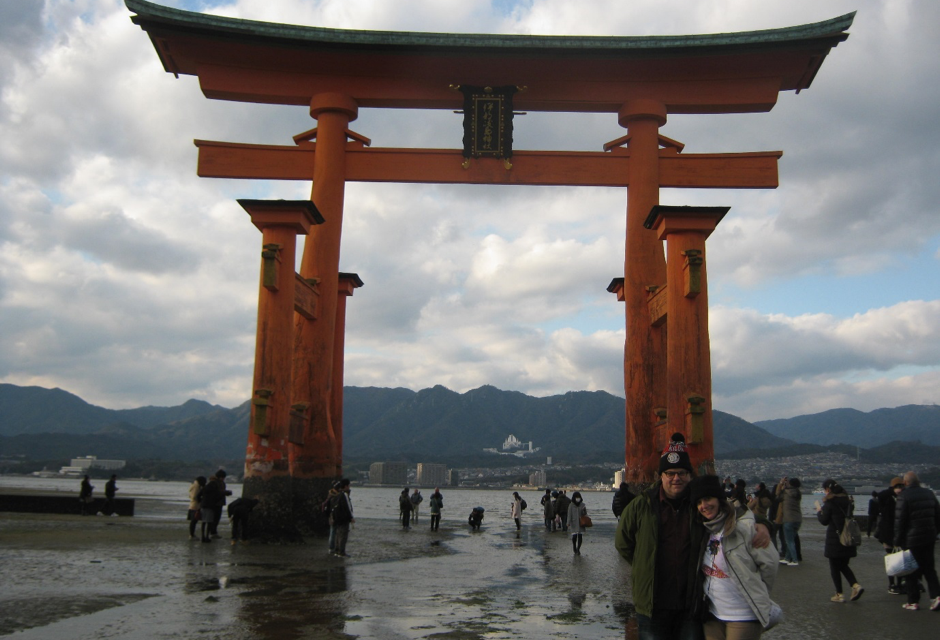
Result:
<point x="265" y="62"/>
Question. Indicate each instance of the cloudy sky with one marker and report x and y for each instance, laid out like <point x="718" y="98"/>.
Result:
<point x="129" y="281"/>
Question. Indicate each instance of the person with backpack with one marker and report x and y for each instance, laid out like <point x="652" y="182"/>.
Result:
<point x="835" y="510"/>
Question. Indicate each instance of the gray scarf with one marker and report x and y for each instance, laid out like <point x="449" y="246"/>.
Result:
<point x="718" y="524"/>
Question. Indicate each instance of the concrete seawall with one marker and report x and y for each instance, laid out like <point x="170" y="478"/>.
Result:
<point x="37" y="503"/>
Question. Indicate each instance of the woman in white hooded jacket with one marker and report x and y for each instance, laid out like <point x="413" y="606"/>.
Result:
<point x="738" y="576"/>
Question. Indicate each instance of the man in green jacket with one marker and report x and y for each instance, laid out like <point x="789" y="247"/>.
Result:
<point x="662" y="542"/>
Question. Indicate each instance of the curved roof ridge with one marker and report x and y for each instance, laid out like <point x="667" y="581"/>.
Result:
<point x="151" y="12"/>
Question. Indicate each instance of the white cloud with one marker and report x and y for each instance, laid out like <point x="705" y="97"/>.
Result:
<point x="130" y="281"/>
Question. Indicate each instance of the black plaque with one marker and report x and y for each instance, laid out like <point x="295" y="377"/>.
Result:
<point x="487" y="121"/>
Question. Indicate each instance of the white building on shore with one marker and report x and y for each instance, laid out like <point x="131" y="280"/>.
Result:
<point x="81" y="466"/>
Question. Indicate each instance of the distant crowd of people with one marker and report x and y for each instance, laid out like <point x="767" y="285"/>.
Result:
<point x="207" y="499"/>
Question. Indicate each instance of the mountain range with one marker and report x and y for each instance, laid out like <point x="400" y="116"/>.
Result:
<point x="435" y="423"/>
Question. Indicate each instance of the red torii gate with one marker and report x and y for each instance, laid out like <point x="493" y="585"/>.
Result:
<point x="337" y="72"/>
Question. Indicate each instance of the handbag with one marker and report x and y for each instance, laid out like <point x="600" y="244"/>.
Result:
<point x="900" y="563"/>
<point x="585" y="521"/>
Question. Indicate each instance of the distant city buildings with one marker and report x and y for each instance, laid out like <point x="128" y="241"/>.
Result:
<point x="81" y="466"/>
<point x="538" y="479"/>
<point x="388" y="473"/>
<point x="431" y="475"/>
<point x="453" y="478"/>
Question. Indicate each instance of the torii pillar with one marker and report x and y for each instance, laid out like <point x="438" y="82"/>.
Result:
<point x="645" y="347"/>
<point x="267" y="470"/>
<point x="314" y="465"/>
<point x="348" y="283"/>
<point x="688" y="356"/>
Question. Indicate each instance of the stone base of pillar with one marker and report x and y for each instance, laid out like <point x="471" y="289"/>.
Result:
<point x="308" y="497"/>
<point x="273" y="519"/>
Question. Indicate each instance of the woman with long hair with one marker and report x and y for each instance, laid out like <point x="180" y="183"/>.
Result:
<point x="738" y="576"/>
<point x="836" y="507"/>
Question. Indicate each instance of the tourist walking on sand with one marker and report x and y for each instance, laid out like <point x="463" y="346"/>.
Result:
<point x="436" y="504"/>
<point x="561" y="508"/>
<point x="738" y="577"/>
<point x="835" y="509"/>
<point x="342" y="517"/>
<point x="84" y="495"/>
<point x="573" y="514"/>
<point x="416" y="500"/>
<point x="220" y="476"/>
<point x="516" y="510"/>
<point x="884" y="532"/>
<point x="405" y="506"/>
<point x="916" y="523"/>
<point x="110" y="489"/>
<point x="789" y="489"/>
<point x="195" y="498"/>
<point x="548" y="509"/>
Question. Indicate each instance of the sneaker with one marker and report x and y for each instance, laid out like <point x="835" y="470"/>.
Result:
<point x="784" y="561"/>
<point x="935" y="605"/>
<point x="911" y="606"/>
<point x="894" y="591"/>
<point x="857" y="591"/>
<point x="793" y="564"/>
<point x="837" y="598"/>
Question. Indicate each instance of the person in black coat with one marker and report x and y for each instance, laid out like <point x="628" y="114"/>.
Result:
<point x="213" y="499"/>
<point x="884" y="531"/>
<point x="833" y="511"/>
<point x="342" y="515"/>
<point x="916" y="523"/>
<point x="622" y="498"/>
<point x="238" y="511"/>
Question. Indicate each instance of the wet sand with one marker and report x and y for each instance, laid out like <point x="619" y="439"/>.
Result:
<point x="98" y="577"/>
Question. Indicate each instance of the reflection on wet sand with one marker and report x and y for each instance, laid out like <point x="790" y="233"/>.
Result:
<point x="84" y="578"/>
